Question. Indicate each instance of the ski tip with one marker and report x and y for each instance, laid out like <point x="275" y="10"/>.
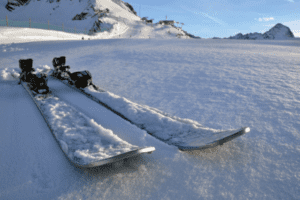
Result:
<point x="117" y="158"/>
<point x="246" y="129"/>
<point x="239" y="132"/>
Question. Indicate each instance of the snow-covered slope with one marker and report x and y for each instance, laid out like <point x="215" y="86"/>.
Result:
<point x="278" y="32"/>
<point x="84" y="14"/>
<point x="221" y="84"/>
<point x="115" y="17"/>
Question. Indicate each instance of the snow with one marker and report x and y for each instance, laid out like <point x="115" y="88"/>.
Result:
<point x="83" y="139"/>
<point x="220" y="84"/>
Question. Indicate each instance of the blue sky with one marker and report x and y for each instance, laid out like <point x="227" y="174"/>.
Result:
<point x="223" y="18"/>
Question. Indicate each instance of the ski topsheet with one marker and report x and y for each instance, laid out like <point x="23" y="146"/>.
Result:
<point x="184" y="133"/>
<point x="84" y="142"/>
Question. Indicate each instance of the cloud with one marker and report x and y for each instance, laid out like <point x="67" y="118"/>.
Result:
<point x="191" y="10"/>
<point x="265" y="19"/>
<point x="291" y="1"/>
<point x="294" y="26"/>
<point x="210" y="17"/>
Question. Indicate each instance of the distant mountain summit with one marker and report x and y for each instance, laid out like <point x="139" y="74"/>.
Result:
<point x="278" y="32"/>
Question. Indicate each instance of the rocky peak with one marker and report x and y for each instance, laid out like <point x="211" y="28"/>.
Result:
<point x="279" y="32"/>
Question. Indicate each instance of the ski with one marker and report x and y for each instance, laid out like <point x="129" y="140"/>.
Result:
<point x="84" y="142"/>
<point x="189" y="135"/>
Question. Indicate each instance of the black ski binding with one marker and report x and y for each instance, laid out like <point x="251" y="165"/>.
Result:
<point x="81" y="79"/>
<point x="60" y="70"/>
<point x="37" y="83"/>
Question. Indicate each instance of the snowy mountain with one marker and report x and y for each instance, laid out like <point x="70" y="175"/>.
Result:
<point x="278" y="32"/>
<point x="84" y="14"/>
<point x="111" y="16"/>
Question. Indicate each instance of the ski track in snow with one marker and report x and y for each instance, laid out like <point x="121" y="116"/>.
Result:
<point x="221" y="84"/>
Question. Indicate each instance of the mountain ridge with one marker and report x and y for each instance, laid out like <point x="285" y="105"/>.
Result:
<point x="277" y="32"/>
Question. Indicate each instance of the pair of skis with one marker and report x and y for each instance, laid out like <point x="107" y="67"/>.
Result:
<point x="82" y="152"/>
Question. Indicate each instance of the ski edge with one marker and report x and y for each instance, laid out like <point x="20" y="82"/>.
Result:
<point x="243" y="131"/>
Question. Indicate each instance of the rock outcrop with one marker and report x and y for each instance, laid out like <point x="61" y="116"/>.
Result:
<point x="130" y="8"/>
<point x="11" y="4"/>
<point x="80" y="16"/>
<point x="96" y="27"/>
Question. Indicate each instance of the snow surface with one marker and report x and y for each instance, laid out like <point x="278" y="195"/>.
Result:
<point x="221" y="84"/>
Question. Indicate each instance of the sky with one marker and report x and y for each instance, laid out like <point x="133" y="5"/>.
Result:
<point x="223" y="18"/>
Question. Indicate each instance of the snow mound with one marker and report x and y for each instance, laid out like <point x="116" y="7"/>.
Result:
<point x="6" y="74"/>
<point x="278" y="32"/>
